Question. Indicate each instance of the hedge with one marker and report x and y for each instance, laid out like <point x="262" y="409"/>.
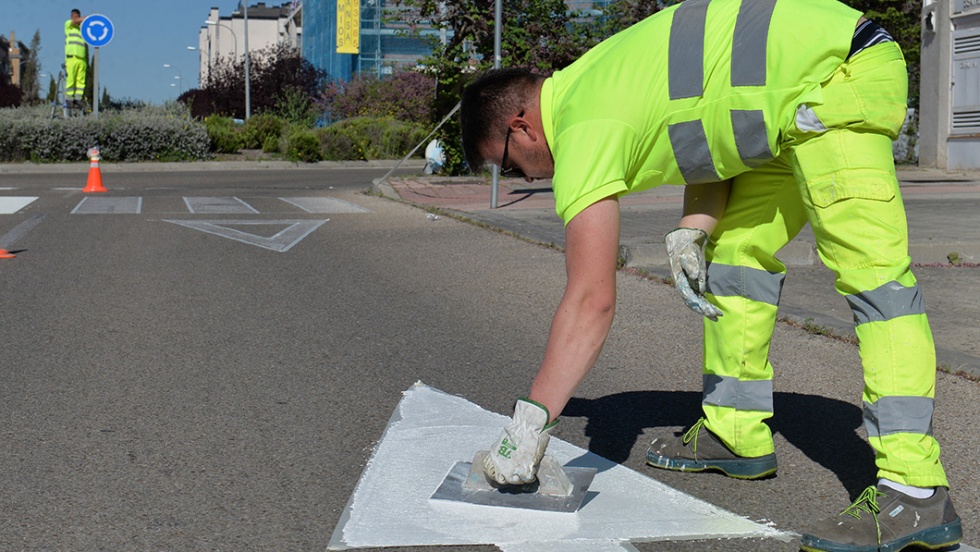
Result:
<point x="148" y="134"/>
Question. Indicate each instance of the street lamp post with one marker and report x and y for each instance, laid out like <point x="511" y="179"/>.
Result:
<point x="230" y="30"/>
<point x="179" y="76"/>
<point x="248" y="102"/>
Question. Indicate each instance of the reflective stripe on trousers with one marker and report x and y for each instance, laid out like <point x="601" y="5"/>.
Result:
<point x="843" y="183"/>
<point x="75" y="71"/>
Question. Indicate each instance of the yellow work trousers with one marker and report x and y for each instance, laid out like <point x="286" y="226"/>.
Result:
<point x="838" y="174"/>
<point x="76" y="69"/>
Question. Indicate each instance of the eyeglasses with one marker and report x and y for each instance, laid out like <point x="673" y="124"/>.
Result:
<point x="512" y="171"/>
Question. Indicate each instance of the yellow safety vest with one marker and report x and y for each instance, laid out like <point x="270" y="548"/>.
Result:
<point x="75" y="45"/>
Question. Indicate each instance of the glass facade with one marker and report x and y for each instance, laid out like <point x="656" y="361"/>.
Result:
<point x="320" y="39"/>
<point x="383" y="44"/>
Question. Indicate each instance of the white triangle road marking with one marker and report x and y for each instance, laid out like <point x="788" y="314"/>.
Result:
<point x="430" y="431"/>
<point x="281" y="242"/>
<point x="10" y="205"/>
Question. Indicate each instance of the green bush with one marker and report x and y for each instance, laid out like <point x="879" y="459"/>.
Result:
<point x="224" y="134"/>
<point x="367" y="138"/>
<point x="271" y="144"/>
<point x="337" y="145"/>
<point x="259" y="129"/>
<point x="146" y="134"/>
<point x="297" y="108"/>
<point x="302" y="145"/>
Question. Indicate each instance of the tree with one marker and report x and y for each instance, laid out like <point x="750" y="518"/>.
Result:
<point x="29" y="84"/>
<point x="277" y="73"/>
<point x="89" y="93"/>
<point x="542" y="34"/>
<point x="403" y="95"/>
<point x="52" y="96"/>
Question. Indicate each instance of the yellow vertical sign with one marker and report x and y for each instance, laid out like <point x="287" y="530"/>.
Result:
<point x="348" y="26"/>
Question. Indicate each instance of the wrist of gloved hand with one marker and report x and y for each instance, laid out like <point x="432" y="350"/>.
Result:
<point x="685" y="251"/>
<point x="516" y="455"/>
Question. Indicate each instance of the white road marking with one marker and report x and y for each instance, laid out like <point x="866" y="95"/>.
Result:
<point x="10" y="205"/>
<point x="218" y="206"/>
<point x="281" y="242"/>
<point x="324" y="205"/>
<point x="430" y="431"/>
<point x="90" y="205"/>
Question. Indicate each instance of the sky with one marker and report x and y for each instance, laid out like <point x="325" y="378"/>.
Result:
<point x="146" y="35"/>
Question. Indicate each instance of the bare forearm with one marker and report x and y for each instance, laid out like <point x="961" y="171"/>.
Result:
<point x="704" y="205"/>
<point x="584" y="316"/>
<point x="577" y="335"/>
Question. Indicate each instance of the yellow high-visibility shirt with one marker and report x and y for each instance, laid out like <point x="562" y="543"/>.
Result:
<point x="699" y="92"/>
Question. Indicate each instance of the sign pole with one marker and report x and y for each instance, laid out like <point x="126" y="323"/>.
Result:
<point x="497" y="17"/>
<point x="97" y="31"/>
<point x="95" y="84"/>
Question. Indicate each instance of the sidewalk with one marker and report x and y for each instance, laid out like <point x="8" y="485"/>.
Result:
<point x="944" y="221"/>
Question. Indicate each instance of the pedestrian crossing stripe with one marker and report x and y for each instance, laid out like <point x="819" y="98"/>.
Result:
<point x="218" y="206"/>
<point x="321" y="205"/>
<point x="109" y="206"/>
<point x="120" y="205"/>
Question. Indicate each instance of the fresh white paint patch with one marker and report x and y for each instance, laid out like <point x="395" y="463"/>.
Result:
<point x="91" y="205"/>
<point x="324" y="205"/>
<point x="10" y="205"/>
<point x="218" y="206"/>
<point x="430" y="431"/>
<point x="282" y="241"/>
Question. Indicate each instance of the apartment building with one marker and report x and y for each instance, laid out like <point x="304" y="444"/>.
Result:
<point x="222" y="37"/>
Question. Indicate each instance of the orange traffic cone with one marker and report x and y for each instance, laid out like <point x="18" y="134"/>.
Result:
<point x="94" y="174"/>
<point x="4" y="254"/>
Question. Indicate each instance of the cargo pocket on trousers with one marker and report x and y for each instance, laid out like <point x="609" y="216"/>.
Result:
<point x="851" y="184"/>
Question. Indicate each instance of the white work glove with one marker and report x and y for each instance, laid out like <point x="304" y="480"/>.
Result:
<point x="685" y="249"/>
<point x="515" y="457"/>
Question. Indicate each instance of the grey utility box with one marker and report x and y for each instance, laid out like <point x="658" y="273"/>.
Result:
<point x="949" y="96"/>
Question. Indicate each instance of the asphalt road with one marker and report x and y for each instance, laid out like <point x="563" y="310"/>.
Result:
<point x="168" y="388"/>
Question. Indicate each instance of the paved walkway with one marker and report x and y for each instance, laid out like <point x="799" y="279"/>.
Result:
<point x="944" y="223"/>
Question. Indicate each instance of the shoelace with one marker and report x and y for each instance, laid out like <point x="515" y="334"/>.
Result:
<point x="867" y="502"/>
<point x="692" y="434"/>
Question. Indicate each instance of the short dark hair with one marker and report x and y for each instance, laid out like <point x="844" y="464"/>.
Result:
<point x="488" y="102"/>
<point x="76" y="12"/>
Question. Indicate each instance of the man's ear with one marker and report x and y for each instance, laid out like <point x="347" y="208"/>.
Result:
<point x="525" y="125"/>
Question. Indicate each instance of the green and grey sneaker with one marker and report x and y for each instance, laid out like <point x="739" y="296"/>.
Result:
<point x="700" y="450"/>
<point x="886" y="520"/>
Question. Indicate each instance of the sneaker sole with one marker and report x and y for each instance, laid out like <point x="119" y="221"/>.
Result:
<point x="933" y="538"/>
<point x="742" y="468"/>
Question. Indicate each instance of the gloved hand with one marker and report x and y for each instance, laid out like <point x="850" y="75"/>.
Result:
<point x="515" y="457"/>
<point x="685" y="249"/>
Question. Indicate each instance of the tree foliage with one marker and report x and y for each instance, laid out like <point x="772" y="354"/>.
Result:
<point x="278" y="74"/>
<point x="404" y="95"/>
<point x="29" y="71"/>
<point x="542" y="34"/>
